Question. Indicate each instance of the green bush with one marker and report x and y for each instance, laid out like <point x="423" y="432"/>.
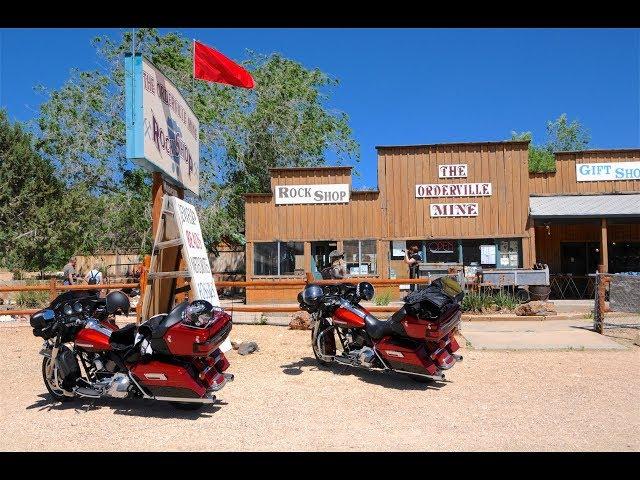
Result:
<point x="383" y="298"/>
<point x="478" y="302"/>
<point x="541" y="160"/>
<point x="35" y="299"/>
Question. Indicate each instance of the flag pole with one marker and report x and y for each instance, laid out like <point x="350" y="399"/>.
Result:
<point x="193" y="71"/>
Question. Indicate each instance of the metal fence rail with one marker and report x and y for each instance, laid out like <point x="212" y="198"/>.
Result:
<point x="617" y="302"/>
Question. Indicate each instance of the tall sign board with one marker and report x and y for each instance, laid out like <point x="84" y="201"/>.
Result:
<point x="162" y="136"/>
<point x="162" y="130"/>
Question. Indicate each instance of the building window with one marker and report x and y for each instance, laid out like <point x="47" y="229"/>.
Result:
<point x="442" y="251"/>
<point x="278" y="258"/>
<point x="361" y="257"/>
<point x="508" y="253"/>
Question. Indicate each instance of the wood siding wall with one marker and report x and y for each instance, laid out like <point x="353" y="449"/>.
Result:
<point x="563" y="180"/>
<point x="503" y="214"/>
<point x="359" y="219"/>
<point x="548" y="243"/>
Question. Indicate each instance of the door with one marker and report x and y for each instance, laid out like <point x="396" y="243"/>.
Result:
<point x="320" y="254"/>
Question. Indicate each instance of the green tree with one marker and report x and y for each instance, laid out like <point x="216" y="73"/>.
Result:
<point x="284" y="121"/>
<point x="562" y="135"/>
<point x="29" y="192"/>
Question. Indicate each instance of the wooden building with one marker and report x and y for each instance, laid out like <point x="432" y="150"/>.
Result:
<point x="587" y="212"/>
<point x="466" y="205"/>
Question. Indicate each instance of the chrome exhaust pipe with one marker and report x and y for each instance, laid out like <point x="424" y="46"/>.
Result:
<point x="457" y="357"/>
<point x="438" y="377"/>
<point x="207" y="399"/>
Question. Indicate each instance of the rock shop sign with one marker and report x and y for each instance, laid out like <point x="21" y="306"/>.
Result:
<point x="299" y="194"/>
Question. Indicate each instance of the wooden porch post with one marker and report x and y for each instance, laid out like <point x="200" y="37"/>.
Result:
<point x="604" y="248"/>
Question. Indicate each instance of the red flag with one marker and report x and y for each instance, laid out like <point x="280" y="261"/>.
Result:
<point x="212" y="66"/>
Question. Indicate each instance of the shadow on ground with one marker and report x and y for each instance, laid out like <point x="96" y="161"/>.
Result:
<point x="385" y="379"/>
<point x="123" y="406"/>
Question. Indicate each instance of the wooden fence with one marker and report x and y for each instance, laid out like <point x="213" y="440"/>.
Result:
<point x="54" y="287"/>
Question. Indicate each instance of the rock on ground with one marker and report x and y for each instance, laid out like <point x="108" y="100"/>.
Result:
<point x="536" y="308"/>
<point x="300" y="321"/>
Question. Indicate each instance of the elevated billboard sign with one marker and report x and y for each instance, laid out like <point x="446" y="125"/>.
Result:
<point x="162" y="130"/>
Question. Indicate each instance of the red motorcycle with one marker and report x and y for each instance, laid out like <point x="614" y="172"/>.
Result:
<point x="417" y="340"/>
<point x="173" y="357"/>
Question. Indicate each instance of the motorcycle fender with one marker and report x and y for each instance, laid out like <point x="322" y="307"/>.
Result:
<point x="45" y="352"/>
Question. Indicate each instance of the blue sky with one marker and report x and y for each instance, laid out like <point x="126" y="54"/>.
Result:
<point x="403" y="86"/>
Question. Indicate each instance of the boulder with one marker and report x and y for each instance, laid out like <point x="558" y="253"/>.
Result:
<point x="245" y="348"/>
<point x="300" y="321"/>
<point x="536" y="308"/>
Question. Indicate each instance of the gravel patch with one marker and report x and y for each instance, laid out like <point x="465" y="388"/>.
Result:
<point x="281" y="401"/>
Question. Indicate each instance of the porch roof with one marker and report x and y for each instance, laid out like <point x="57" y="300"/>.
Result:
<point x="585" y="206"/>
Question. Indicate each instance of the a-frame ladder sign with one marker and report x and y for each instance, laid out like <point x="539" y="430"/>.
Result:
<point x="178" y="236"/>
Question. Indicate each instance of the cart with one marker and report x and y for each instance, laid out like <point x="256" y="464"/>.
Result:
<point x="517" y="279"/>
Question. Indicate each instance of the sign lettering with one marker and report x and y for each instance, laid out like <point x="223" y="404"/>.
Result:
<point x="611" y="171"/>
<point x="454" y="209"/>
<point x="453" y="190"/>
<point x="301" y="194"/>
<point x="453" y="171"/>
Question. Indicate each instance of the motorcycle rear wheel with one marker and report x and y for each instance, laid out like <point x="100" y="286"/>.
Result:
<point x="52" y="383"/>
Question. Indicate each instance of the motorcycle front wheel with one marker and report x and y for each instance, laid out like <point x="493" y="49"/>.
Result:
<point x="314" y="344"/>
<point x="53" y="383"/>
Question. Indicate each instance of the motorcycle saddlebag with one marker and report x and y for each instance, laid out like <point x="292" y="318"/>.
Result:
<point x="435" y="299"/>
<point x="407" y="356"/>
<point x="185" y="340"/>
<point x="433" y="328"/>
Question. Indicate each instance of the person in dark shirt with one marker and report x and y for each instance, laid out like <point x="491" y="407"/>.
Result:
<point x="413" y="258"/>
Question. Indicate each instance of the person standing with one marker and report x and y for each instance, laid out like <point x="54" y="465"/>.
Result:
<point x="338" y="267"/>
<point x="94" y="277"/>
<point x="69" y="272"/>
<point x="413" y="258"/>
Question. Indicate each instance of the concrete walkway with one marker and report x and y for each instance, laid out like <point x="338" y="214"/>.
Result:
<point x="536" y="335"/>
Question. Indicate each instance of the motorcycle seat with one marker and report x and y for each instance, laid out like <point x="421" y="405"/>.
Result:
<point x="382" y="328"/>
<point x="124" y="337"/>
<point x="158" y="325"/>
<point x="377" y="328"/>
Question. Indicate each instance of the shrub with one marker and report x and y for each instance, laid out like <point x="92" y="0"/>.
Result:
<point x="34" y="299"/>
<point x="383" y="298"/>
<point x="481" y="301"/>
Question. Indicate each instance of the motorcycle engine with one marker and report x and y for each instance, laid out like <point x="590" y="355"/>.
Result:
<point x="367" y="357"/>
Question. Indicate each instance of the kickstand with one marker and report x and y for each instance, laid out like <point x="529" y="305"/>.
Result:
<point x="90" y="405"/>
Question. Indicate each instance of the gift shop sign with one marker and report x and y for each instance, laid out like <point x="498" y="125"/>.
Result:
<point x="597" y="172"/>
<point x="162" y="130"/>
<point x="300" y="194"/>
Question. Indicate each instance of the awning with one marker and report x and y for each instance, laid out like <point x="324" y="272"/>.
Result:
<point x="585" y="206"/>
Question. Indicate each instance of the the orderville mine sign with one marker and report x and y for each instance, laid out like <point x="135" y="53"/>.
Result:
<point x="454" y="209"/>
<point x="325" y="193"/>
<point x="458" y="170"/>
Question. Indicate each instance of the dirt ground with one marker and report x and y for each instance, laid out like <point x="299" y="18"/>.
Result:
<point x="281" y="401"/>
